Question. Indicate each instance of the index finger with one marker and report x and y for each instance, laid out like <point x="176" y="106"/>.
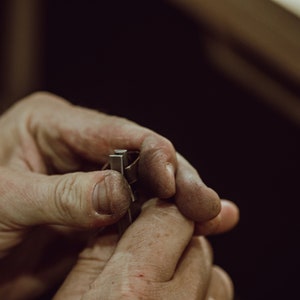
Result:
<point x="151" y="247"/>
<point x="66" y="133"/>
<point x="156" y="258"/>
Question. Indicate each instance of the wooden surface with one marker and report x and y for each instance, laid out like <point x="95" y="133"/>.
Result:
<point x="255" y="42"/>
<point x="291" y="5"/>
<point x="252" y="41"/>
<point x="21" y="45"/>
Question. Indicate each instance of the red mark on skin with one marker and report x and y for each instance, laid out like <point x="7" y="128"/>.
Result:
<point x="141" y="275"/>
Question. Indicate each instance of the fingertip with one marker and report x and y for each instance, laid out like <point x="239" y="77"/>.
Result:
<point x="225" y="221"/>
<point x="215" y="200"/>
<point x="201" y="204"/>
<point x="230" y="214"/>
<point x="221" y="285"/>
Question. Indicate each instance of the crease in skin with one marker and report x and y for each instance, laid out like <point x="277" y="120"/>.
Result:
<point x="112" y="276"/>
<point x="152" y="164"/>
<point x="30" y="157"/>
<point x="90" y="138"/>
<point x="58" y="157"/>
<point x="194" y="199"/>
<point x="159" y="220"/>
<point x="122" y="132"/>
<point x="28" y="151"/>
<point x="50" y="143"/>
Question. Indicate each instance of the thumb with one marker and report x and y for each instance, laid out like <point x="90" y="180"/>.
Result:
<point x="84" y="200"/>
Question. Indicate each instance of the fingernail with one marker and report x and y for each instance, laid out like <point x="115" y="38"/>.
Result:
<point x="99" y="198"/>
<point x="170" y="169"/>
<point x="171" y="178"/>
<point x="171" y="173"/>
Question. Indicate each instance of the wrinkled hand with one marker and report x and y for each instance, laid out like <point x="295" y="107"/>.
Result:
<point x="156" y="258"/>
<point x="50" y="155"/>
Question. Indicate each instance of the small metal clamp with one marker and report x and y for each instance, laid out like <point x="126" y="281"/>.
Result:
<point x="126" y="162"/>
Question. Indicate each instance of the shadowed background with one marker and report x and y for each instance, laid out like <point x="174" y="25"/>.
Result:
<point x="151" y="62"/>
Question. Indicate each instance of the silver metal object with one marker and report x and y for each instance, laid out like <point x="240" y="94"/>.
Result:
<point x="126" y="162"/>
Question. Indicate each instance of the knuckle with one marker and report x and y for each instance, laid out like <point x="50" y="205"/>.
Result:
<point x="43" y="99"/>
<point x="168" y="213"/>
<point x="36" y="97"/>
<point x="43" y="95"/>
<point x="40" y="100"/>
<point x="158" y="145"/>
<point x="67" y="195"/>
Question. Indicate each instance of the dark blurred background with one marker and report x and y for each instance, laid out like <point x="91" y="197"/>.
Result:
<point x="149" y="62"/>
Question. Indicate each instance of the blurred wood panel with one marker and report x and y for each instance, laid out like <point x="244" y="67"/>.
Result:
<point x="256" y="43"/>
<point x="21" y="45"/>
<point x="253" y="41"/>
<point x="291" y="5"/>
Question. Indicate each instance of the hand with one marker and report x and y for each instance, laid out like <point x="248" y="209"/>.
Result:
<point x="50" y="151"/>
<point x="156" y="258"/>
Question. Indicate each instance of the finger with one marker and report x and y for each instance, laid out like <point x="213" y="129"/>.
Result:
<point x="194" y="199"/>
<point x="150" y="243"/>
<point x="147" y="252"/>
<point x="221" y="285"/>
<point x="193" y="273"/>
<point x="226" y="220"/>
<point x="74" y="132"/>
<point x="83" y="200"/>
<point x="77" y="130"/>
<point x="90" y="264"/>
<point x="157" y="166"/>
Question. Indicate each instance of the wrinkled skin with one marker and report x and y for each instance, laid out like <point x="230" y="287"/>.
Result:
<point x="54" y="198"/>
